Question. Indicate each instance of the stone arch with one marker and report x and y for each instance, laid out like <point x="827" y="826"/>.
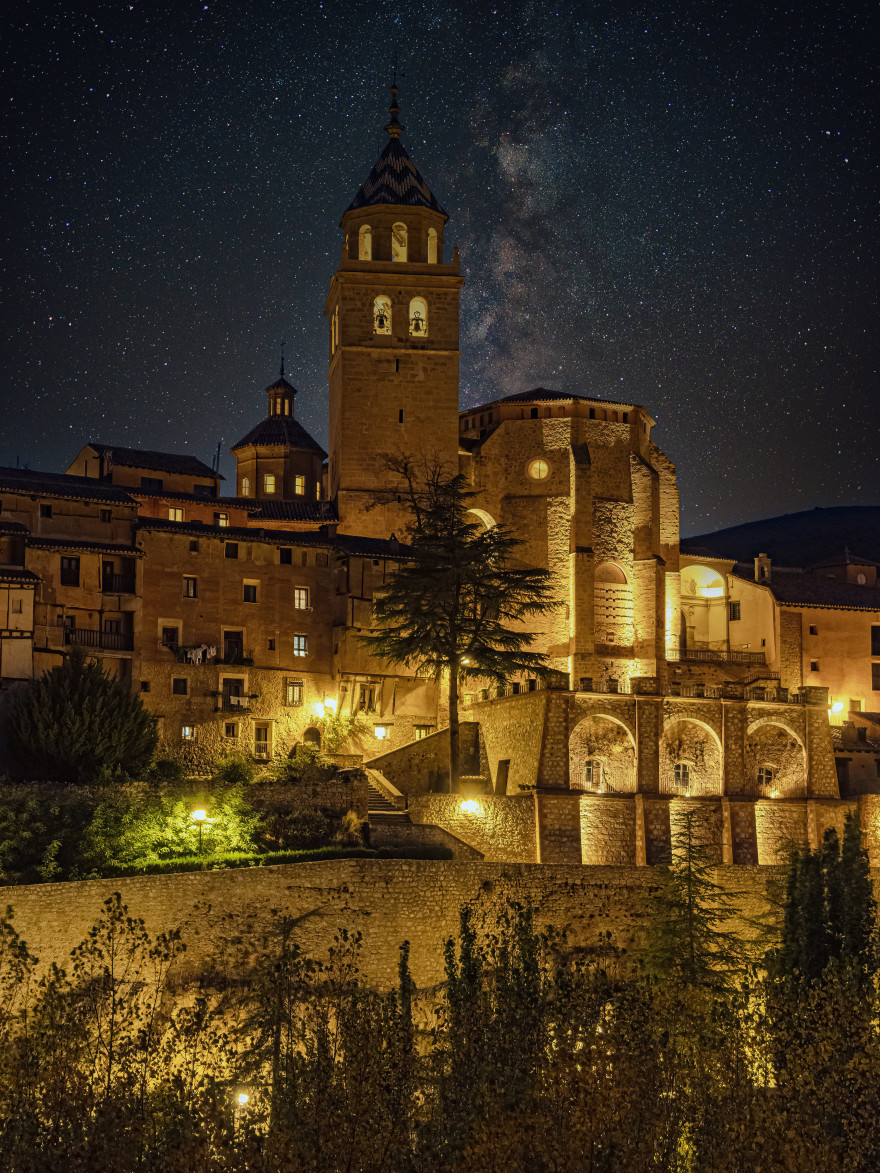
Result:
<point x="312" y="736"/>
<point x="432" y="246"/>
<point x="418" y="317"/>
<point x="690" y="743"/>
<point x="613" y="605"/>
<point x="382" y="314"/>
<point x="774" y="746"/>
<point x="485" y="519"/>
<point x="398" y="242"/>
<point x="608" y="743"/>
<point x="365" y="243"/>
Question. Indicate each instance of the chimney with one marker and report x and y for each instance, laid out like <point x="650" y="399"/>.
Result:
<point x="762" y="568"/>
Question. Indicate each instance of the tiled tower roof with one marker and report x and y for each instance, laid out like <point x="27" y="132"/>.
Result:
<point x="280" y="431"/>
<point x="395" y="179"/>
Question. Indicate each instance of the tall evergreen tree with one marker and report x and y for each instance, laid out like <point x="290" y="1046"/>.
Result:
<point x="75" y="723"/>
<point x="687" y="942"/>
<point x="455" y="605"/>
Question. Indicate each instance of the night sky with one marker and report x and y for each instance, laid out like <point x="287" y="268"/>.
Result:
<point x="669" y="203"/>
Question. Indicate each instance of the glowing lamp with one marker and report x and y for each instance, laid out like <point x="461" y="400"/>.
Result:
<point x="199" y="816"/>
<point x="470" y="806"/>
<point x="330" y="703"/>
<point x="243" y="1098"/>
<point x="837" y="707"/>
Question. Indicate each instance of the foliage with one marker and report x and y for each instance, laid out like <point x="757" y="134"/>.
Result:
<point x="349" y="833"/>
<point x="75" y="724"/>
<point x="247" y="859"/>
<point x="305" y="767"/>
<point x="455" y="605"/>
<point x="535" y="1057"/>
<point x="830" y="912"/>
<point x="284" y="829"/>
<point x="235" y="771"/>
<point x="687" y="941"/>
<point x="338" y="729"/>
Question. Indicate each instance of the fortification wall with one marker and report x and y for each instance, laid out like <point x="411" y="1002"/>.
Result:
<point x="387" y="901"/>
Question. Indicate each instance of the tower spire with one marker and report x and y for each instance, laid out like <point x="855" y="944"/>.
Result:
<point x="394" y="127"/>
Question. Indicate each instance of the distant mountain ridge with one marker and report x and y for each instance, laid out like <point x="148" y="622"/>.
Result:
<point x="799" y="539"/>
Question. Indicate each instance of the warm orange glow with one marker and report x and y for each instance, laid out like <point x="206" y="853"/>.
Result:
<point x="470" y="806"/>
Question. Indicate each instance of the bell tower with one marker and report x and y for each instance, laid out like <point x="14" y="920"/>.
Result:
<point x="393" y="325"/>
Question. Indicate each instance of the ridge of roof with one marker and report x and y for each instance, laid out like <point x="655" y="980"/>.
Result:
<point x="798" y="588"/>
<point x="61" y="484"/>
<point x="395" y="179"/>
<point x="280" y="431"/>
<point x="170" y="462"/>
<point x="546" y="395"/>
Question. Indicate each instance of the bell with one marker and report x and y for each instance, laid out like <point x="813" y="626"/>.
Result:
<point x="380" y="322"/>
<point x="417" y="325"/>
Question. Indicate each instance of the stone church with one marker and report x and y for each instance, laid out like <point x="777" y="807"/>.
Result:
<point x="235" y="611"/>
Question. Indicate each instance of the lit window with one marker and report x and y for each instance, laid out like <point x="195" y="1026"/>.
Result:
<point x="190" y="590"/>
<point x="175" y="515"/>
<point x="367" y="700"/>
<point x="293" y="692"/>
<point x="682" y="774"/>
<point x="432" y="246"/>
<point x="300" y="645"/>
<point x="592" y="775"/>
<point x="187" y="732"/>
<point x="398" y="242"/>
<point x="221" y="519"/>
<point x="418" y="317"/>
<point x="249" y="592"/>
<point x="365" y="243"/>
<point x="317" y="490"/>
<point x="382" y="732"/>
<point x="301" y="598"/>
<point x="299" y="485"/>
<point x="261" y="741"/>
<point x="245" y="486"/>
<point x="268" y="482"/>
<point x="382" y="314"/>
<point x="420" y="731"/>
<point x="538" y="470"/>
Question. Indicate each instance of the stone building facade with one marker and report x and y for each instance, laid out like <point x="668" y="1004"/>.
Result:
<point x="237" y="616"/>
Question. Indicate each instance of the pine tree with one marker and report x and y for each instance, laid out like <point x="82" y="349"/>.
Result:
<point x="858" y="930"/>
<point x="453" y="608"/>
<point x="687" y="942"/>
<point x="75" y="724"/>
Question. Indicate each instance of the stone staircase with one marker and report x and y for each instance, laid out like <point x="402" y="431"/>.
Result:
<point x="381" y="809"/>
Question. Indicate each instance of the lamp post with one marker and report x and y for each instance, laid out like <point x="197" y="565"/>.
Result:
<point x="199" y="817"/>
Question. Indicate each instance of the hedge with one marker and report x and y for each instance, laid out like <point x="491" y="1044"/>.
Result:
<point x="240" y="859"/>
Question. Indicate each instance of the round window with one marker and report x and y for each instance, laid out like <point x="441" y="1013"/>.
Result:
<point x="539" y="469"/>
<point x="861" y="579"/>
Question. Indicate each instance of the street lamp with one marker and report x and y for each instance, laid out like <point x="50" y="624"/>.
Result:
<point x="199" y="817"/>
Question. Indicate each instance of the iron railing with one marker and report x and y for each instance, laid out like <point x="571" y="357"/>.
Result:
<point x="108" y="641"/>
<point x="711" y="655"/>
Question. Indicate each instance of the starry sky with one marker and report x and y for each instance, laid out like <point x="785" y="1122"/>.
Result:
<point x="668" y="203"/>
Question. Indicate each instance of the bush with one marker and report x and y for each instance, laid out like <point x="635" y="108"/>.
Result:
<point x="286" y="830"/>
<point x="349" y="833"/>
<point x="240" y="859"/>
<point x="75" y="724"/>
<point x="235" y="770"/>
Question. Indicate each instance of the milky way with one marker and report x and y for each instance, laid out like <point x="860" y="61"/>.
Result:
<point x="670" y="203"/>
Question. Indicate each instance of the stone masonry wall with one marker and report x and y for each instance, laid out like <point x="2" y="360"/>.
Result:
<point x="500" y="828"/>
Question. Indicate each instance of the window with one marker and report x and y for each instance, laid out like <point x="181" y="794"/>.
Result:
<point x="152" y="484"/>
<point x="245" y="486"/>
<point x="875" y="677"/>
<point x="106" y="515"/>
<point x="293" y="692"/>
<point x="875" y="640"/>
<point x="682" y="774"/>
<point x="533" y="414"/>
<point x="400" y="416"/>
<point x="814" y="630"/>
<point x="418" y="317"/>
<point x="300" y="645"/>
<point x="763" y="643"/>
<point x="16" y="606"/>
<point x="189" y="587"/>
<point x="317" y="490"/>
<point x="221" y="519"/>
<point x="765" y="775"/>
<point x="70" y="571"/>
<point x="145" y="686"/>
<point x="194" y="546"/>
<point x="203" y="491"/>
<point x="432" y="246"/>
<point x="113" y="626"/>
<point x="855" y="704"/>
<point x="301" y="598"/>
<point x="230" y="550"/>
<point x="398" y="242"/>
<point x="382" y="314"/>
<point x="861" y="578"/>
<point x="539" y="469"/>
<point x="179" y="686"/>
<point x="365" y="243"/>
<point x="169" y="637"/>
<point x="187" y="732"/>
<point x="285" y="556"/>
<point x="45" y="511"/>
<point x="299" y="485"/>
<point x="814" y="665"/>
<point x="175" y="514"/>
<point x="734" y="611"/>
<point x="270" y="645"/>
<point x="421" y="731"/>
<point x="592" y="774"/>
<point x="249" y="592"/>
<point x="268" y="482"/>
<point x="230" y="729"/>
<point x="261" y="741"/>
<point x="367" y="699"/>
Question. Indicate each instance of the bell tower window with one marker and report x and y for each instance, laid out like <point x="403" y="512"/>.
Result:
<point x="398" y="242"/>
<point x="365" y="243"/>
<point x="432" y="246"/>
<point x="418" y="317"/>
<point x="382" y="314"/>
<point x="245" y="486"/>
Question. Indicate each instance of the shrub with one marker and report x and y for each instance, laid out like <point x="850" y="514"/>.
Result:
<point x="349" y="833"/>
<point x="293" y="830"/>
<point x="75" y="724"/>
<point x="241" y="859"/>
<point x="235" y="770"/>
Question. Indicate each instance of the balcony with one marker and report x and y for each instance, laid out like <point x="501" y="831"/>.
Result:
<point x="233" y="704"/>
<point x="710" y="655"/>
<point x="107" y="641"/>
<point x="117" y="584"/>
